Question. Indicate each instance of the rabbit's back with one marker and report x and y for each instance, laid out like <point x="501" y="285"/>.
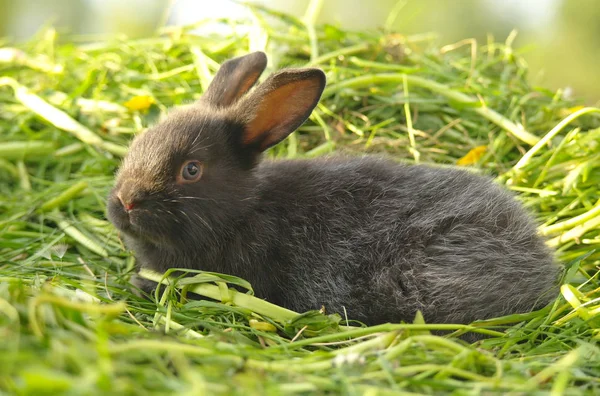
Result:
<point x="383" y="240"/>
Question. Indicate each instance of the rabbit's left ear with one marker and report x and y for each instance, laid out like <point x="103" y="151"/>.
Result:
<point x="234" y="78"/>
<point x="279" y="106"/>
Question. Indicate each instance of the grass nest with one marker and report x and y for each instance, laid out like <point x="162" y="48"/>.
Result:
<point x="70" y="323"/>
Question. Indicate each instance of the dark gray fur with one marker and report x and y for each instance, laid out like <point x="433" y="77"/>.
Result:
<point x="381" y="240"/>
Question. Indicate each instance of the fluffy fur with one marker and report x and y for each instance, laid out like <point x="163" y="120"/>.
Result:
<point x="381" y="240"/>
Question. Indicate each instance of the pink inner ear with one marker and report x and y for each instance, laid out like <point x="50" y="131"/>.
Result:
<point x="245" y="84"/>
<point x="281" y="111"/>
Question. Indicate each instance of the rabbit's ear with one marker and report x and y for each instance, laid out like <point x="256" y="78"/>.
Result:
<point x="280" y="105"/>
<point x="234" y="78"/>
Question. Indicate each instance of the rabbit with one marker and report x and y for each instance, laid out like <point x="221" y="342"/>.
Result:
<point x="366" y="237"/>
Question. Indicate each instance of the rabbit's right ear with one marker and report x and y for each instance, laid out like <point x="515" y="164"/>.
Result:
<point x="278" y="106"/>
<point x="234" y="78"/>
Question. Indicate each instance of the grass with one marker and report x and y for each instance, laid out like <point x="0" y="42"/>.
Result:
<point x="70" y="323"/>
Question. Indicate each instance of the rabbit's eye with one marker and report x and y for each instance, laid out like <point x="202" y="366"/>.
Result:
<point x="191" y="171"/>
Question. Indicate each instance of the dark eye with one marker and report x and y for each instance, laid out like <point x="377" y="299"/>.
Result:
<point x="191" y="171"/>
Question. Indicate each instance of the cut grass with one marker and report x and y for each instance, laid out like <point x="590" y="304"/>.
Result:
<point x="71" y="323"/>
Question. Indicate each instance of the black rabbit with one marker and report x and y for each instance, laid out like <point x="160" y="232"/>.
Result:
<point x="381" y="240"/>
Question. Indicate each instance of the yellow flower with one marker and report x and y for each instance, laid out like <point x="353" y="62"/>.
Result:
<point x="472" y="156"/>
<point x="142" y="102"/>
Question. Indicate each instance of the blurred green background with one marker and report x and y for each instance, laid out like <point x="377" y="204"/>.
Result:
<point x="560" y="39"/>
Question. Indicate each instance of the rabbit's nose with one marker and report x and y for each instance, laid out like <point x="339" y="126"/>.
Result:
<point x="127" y="205"/>
<point x="129" y="196"/>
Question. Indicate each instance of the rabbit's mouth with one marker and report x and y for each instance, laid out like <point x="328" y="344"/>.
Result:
<point x="128" y="226"/>
<point x="124" y="220"/>
<point x="128" y="223"/>
<point x="135" y="223"/>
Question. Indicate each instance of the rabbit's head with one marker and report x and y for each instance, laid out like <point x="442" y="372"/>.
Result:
<point x="190" y="174"/>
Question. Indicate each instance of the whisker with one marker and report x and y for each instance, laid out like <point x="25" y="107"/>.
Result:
<point x="195" y="139"/>
<point x="200" y="128"/>
<point x="199" y="198"/>
<point x="204" y="222"/>
<point x="185" y="214"/>
<point x="200" y="148"/>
